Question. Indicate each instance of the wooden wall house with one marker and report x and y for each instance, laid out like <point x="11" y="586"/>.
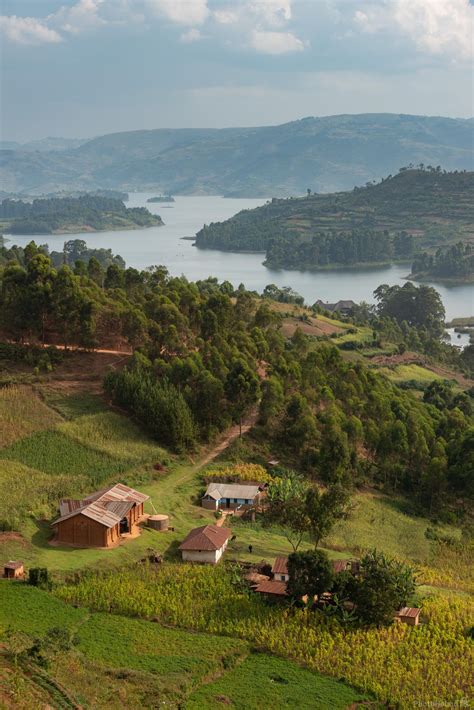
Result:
<point x="13" y="569"/>
<point x="408" y="615"/>
<point x="101" y="519"/>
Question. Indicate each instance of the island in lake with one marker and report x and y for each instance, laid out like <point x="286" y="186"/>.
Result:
<point x="161" y="198"/>
<point x="419" y="209"/>
<point x="69" y="215"/>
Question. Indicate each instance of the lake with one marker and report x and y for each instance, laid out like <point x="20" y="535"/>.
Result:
<point x="164" y="245"/>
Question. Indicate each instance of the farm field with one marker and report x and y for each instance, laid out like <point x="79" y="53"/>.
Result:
<point x="121" y="658"/>
<point x="116" y="661"/>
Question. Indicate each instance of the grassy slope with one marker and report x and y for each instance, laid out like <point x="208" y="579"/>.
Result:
<point x="375" y="520"/>
<point x="119" y="661"/>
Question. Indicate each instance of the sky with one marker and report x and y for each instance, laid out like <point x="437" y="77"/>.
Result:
<point x="82" y="68"/>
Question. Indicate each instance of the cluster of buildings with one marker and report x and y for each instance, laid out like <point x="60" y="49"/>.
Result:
<point x="105" y="518"/>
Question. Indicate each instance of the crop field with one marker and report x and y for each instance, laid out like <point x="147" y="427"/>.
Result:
<point x="55" y="453"/>
<point x="409" y="373"/>
<point x="286" y="685"/>
<point x="114" y="435"/>
<point x="400" y="664"/>
<point x="22" y="413"/>
<point x="118" y="661"/>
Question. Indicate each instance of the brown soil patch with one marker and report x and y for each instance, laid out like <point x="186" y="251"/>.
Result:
<point x="84" y="371"/>
<point x="313" y="326"/>
<point x="11" y="536"/>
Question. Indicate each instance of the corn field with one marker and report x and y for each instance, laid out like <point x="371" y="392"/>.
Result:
<point x="404" y="666"/>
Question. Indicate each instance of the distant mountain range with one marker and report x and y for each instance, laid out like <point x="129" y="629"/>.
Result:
<point x="323" y="154"/>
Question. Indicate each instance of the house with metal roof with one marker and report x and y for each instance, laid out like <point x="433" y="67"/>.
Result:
<point x="346" y="307"/>
<point x="231" y="496"/>
<point x="205" y="544"/>
<point x="280" y="569"/>
<point x="100" y="520"/>
<point x="408" y="615"/>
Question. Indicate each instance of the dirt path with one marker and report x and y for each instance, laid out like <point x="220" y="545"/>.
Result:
<point x="231" y="435"/>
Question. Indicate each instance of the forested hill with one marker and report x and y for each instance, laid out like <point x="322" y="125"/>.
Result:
<point x="324" y="154"/>
<point x="380" y="222"/>
<point x="89" y="213"/>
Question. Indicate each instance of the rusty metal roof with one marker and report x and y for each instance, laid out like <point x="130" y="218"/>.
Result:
<point x="340" y="565"/>
<point x="208" y="537"/>
<point x="409" y="611"/>
<point x="107" y="506"/>
<point x="280" y="566"/>
<point x="13" y="564"/>
<point x="272" y="587"/>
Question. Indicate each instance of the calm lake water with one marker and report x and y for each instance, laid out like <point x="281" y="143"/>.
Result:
<point x="164" y="245"/>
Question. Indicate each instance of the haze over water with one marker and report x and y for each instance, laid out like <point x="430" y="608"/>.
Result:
<point x="164" y="245"/>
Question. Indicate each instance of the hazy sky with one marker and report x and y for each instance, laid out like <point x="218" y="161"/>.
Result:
<point x="88" y="67"/>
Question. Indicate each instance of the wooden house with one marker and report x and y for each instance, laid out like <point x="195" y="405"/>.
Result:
<point x="231" y="496"/>
<point x="408" y="615"/>
<point x="13" y="569"/>
<point x="205" y="544"/>
<point x="101" y="519"/>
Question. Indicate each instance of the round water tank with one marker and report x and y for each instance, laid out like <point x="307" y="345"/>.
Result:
<point x="158" y="522"/>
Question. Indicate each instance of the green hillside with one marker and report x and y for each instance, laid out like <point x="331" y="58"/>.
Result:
<point x="393" y="219"/>
<point x="324" y="154"/>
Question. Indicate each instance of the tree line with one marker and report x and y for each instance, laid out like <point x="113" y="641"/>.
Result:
<point x="206" y="353"/>
<point x="44" y="216"/>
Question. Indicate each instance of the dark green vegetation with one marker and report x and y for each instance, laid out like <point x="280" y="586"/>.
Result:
<point x="454" y="263"/>
<point x="161" y="198"/>
<point x="323" y="154"/>
<point x="205" y="358"/>
<point x="90" y="213"/>
<point x="378" y="223"/>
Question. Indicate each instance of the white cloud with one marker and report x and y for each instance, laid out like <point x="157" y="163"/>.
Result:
<point x="276" y="42"/>
<point x="27" y="30"/>
<point x="81" y="16"/>
<point x="435" y="26"/>
<point x="185" y="12"/>
<point x="274" y="13"/>
<point x="190" y="36"/>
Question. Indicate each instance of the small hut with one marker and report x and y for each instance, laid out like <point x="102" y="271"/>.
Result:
<point x="408" y="615"/>
<point x="13" y="569"/>
<point x="158" y="522"/>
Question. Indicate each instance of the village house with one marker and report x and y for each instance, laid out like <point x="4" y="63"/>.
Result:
<point x="408" y="615"/>
<point x="13" y="569"/>
<point x="345" y="308"/>
<point x="205" y="544"/>
<point x="352" y="566"/>
<point x="231" y="496"/>
<point x="276" y="587"/>
<point x="280" y="569"/>
<point x="100" y="520"/>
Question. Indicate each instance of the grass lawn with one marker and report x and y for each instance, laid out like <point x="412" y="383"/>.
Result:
<point x="264" y="681"/>
<point x="379" y="521"/>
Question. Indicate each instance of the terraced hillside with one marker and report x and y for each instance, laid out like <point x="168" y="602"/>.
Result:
<point x="430" y="206"/>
